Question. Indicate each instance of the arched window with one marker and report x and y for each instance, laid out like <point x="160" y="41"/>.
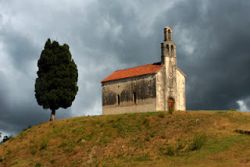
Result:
<point x="118" y="99"/>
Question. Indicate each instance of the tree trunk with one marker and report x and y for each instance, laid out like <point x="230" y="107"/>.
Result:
<point x="52" y="115"/>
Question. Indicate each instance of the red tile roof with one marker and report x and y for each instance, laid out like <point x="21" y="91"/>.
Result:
<point x="133" y="72"/>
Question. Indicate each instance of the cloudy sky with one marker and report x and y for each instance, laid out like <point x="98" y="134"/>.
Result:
<point x="212" y="38"/>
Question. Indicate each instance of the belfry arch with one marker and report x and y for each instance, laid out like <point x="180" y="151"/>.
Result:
<point x="167" y="34"/>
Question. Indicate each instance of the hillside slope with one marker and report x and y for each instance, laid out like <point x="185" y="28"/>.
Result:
<point x="146" y="139"/>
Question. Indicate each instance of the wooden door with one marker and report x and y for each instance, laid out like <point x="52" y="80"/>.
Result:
<point x="171" y="104"/>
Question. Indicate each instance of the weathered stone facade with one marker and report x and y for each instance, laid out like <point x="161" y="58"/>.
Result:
<point x="129" y="95"/>
<point x="155" y="87"/>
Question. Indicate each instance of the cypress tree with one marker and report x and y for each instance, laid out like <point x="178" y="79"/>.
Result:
<point x="56" y="84"/>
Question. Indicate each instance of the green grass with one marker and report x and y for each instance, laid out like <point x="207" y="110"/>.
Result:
<point x="198" y="138"/>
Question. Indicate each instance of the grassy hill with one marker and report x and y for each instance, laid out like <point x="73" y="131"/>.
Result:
<point x="198" y="138"/>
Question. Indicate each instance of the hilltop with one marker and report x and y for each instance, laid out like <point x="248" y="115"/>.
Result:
<point x="199" y="138"/>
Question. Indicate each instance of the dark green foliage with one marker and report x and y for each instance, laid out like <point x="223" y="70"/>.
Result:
<point x="6" y="138"/>
<point x="56" y="85"/>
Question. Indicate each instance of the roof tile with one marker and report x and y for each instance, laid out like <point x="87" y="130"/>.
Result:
<point x="133" y="72"/>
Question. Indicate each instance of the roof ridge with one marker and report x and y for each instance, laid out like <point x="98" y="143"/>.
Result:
<point x="137" y="66"/>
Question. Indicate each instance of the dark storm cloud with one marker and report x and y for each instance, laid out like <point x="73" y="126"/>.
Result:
<point x="212" y="48"/>
<point x="19" y="47"/>
<point x="2" y="93"/>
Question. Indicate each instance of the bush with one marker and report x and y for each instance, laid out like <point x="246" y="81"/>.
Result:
<point x="197" y="142"/>
<point x="43" y="145"/>
<point x="169" y="150"/>
<point x="1" y="159"/>
<point x="38" y="165"/>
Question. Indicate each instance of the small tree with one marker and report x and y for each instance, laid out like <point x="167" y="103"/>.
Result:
<point x="56" y="85"/>
<point x="6" y="138"/>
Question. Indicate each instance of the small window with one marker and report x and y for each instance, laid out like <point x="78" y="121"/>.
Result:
<point x="134" y="98"/>
<point x="118" y="99"/>
<point x="172" y="50"/>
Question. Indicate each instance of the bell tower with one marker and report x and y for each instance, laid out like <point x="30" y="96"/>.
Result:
<point x="168" y="60"/>
<point x="168" y="47"/>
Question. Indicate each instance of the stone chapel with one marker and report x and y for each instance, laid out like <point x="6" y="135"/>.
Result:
<point x="151" y="87"/>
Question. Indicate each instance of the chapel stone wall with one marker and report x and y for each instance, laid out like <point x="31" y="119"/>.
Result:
<point x="137" y="94"/>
